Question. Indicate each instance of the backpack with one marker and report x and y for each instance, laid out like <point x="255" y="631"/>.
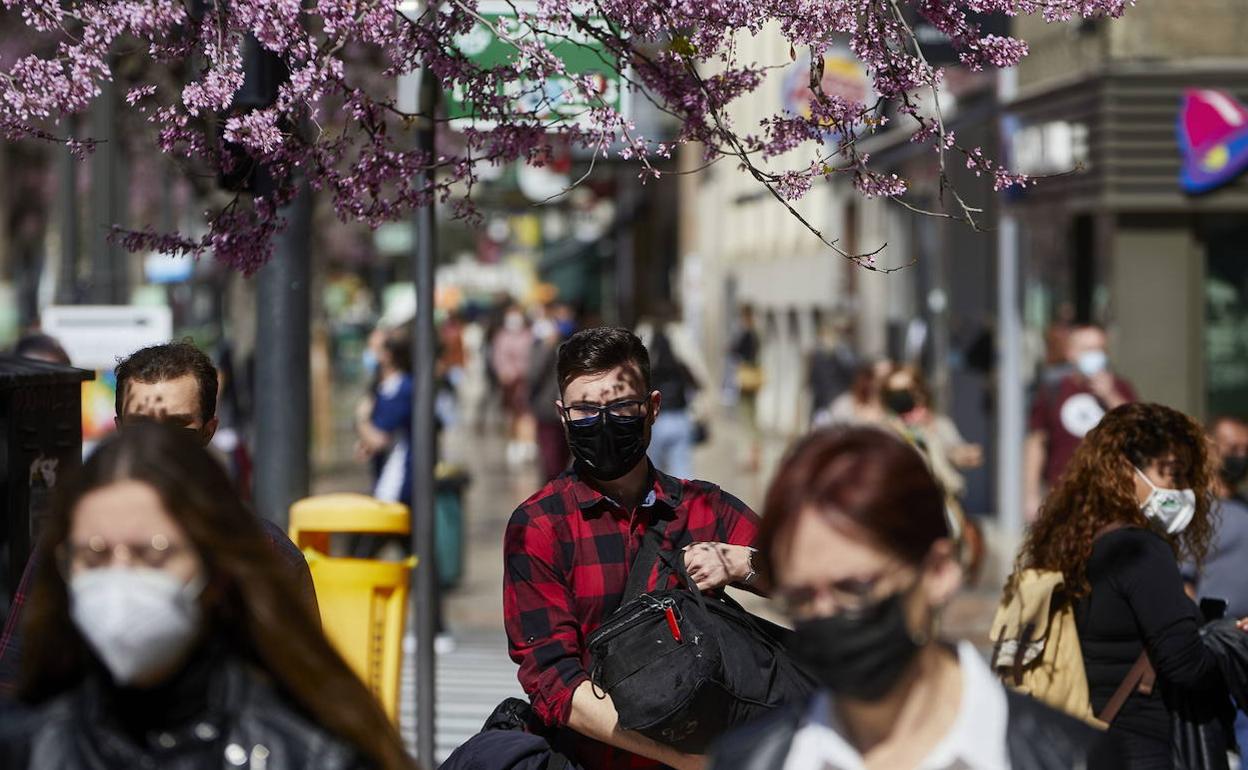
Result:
<point x="1036" y="649"/>
<point x="1035" y="644"/>
<point x="682" y="668"/>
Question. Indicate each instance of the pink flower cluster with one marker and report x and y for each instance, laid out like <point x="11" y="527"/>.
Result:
<point x="335" y="121"/>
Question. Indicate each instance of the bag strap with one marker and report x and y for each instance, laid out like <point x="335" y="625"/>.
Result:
<point x="1141" y="677"/>
<point x="643" y="564"/>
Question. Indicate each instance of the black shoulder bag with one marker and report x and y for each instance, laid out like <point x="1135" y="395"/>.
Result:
<point x="681" y="667"/>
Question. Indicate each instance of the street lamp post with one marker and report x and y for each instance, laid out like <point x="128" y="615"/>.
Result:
<point x="422" y="89"/>
<point x="1010" y="428"/>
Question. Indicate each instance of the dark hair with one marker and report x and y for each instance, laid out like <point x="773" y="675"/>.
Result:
<point x="871" y="477"/>
<point x="398" y="345"/>
<point x="1098" y="488"/>
<point x="38" y="345"/>
<point x="252" y="601"/>
<point x="160" y="363"/>
<point x="601" y="349"/>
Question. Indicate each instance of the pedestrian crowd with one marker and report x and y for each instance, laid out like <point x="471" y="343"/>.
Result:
<point x="161" y="623"/>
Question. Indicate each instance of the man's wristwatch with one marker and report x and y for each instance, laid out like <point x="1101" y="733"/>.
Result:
<point x="749" y="562"/>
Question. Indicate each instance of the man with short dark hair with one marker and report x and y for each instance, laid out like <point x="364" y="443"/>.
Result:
<point x="568" y="549"/>
<point x="174" y="383"/>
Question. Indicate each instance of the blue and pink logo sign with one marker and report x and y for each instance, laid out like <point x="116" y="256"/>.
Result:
<point x="1213" y="138"/>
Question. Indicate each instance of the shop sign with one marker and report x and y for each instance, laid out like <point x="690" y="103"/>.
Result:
<point x="1213" y="139"/>
<point x="556" y="101"/>
<point x="843" y="76"/>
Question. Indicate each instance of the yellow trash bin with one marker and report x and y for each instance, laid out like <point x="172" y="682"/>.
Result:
<point x="363" y="602"/>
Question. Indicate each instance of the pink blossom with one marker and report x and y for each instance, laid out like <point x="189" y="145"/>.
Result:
<point x="334" y="120"/>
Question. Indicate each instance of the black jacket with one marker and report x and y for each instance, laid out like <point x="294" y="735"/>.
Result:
<point x="245" y="725"/>
<point x="1038" y="738"/>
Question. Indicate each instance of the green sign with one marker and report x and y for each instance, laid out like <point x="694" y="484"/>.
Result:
<point x="556" y="101"/>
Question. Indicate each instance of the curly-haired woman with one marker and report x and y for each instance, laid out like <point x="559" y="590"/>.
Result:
<point x="1132" y="501"/>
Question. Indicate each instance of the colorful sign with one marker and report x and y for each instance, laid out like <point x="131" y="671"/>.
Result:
<point x="1213" y="139"/>
<point x="97" y="337"/>
<point x="557" y="101"/>
<point x="843" y="76"/>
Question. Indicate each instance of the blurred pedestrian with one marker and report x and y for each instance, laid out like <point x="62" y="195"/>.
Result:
<point x="1223" y="576"/>
<point x="383" y="419"/>
<point x="679" y="374"/>
<point x="1134" y="495"/>
<point x="863" y="404"/>
<point x="745" y="355"/>
<point x="908" y="401"/>
<point x="174" y="384"/>
<point x="552" y="444"/>
<point x="905" y="394"/>
<point x="856" y="547"/>
<point x="163" y="634"/>
<point x="568" y="548"/>
<point x="512" y="353"/>
<point x="41" y="347"/>
<point x="1064" y="412"/>
<point x="831" y="370"/>
<point x="474" y="390"/>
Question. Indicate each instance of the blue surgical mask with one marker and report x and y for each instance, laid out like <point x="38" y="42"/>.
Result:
<point x="1092" y="362"/>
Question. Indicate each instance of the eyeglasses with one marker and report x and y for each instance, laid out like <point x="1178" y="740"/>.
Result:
<point x="849" y="597"/>
<point x="627" y="408"/>
<point x="97" y="553"/>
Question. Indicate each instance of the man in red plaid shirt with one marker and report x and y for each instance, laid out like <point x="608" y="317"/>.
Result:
<point x="568" y="548"/>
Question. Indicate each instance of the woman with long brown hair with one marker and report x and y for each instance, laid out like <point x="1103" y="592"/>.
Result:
<point x="1133" y="501"/>
<point x="162" y="633"/>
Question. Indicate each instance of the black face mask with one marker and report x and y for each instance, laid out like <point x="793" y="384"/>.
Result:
<point x="608" y="447"/>
<point x="860" y="656"/>
<point x="1234" y="469"/>
<point x="899" y="401"/>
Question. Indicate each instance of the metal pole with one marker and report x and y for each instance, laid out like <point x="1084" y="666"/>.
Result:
<point x="108" y="260"/>
<point x="625" y="250"/>
<point x="67" y="288"/>
<point x="282" y="365"/>
<point x="1010" y="430"/>
<point x="424" y="448"/>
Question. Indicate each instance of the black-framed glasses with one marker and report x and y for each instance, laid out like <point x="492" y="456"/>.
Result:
<point x="623" y="409"/>
<point x="849" y="597"/>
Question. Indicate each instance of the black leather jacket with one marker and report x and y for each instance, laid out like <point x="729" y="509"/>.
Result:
<point x="247" y="725"/>
<point x="1038" y="738"/>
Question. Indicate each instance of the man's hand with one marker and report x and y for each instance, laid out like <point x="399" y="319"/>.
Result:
<point x="715" y="565"/>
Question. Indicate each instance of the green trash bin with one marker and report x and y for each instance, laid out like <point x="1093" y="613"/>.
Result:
<point x="448" y="533"/>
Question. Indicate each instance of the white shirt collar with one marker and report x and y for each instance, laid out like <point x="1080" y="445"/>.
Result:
<point x="389" y="387"/>
<point x="976" y="741"/>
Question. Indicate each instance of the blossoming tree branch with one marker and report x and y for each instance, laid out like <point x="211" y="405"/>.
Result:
<point x="333" y="120"/>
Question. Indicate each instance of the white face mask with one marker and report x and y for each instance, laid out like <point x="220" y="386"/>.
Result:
<point x="1173" y="509"/>
<point x="138" y="620"/>
<point x="1092" y="362"/>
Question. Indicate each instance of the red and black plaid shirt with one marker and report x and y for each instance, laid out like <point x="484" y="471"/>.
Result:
<point x="567" y="553"/>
